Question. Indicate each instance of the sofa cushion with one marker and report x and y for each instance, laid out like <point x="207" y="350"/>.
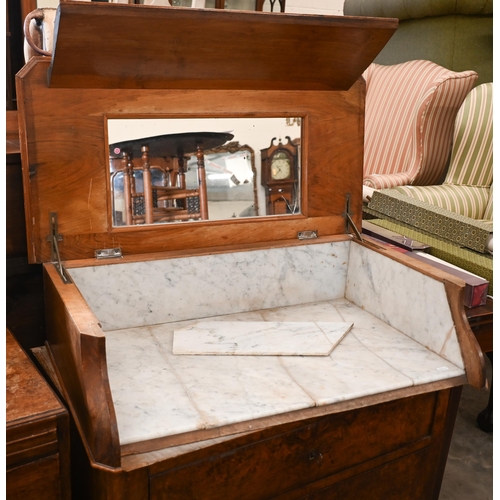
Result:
<point x="409" y="117"/>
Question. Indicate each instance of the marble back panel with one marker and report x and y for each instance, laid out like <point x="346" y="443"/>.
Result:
<point x="161" y="291"/>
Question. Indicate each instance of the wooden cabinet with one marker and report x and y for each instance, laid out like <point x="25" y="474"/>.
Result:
<point x="37" y="433"/>
<point x="326" y="456"/>
<point x="375" y="420"/>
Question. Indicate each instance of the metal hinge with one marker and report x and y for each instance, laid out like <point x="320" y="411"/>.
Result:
<point x="348" y="218"/>
<point x="108" y="253"/>
<point x="53" y="238"/>
<point x="307" y="235"/>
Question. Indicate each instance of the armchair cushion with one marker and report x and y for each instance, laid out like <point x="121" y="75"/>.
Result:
<point x="470" y="201"/>
<point x="409" y="116"/>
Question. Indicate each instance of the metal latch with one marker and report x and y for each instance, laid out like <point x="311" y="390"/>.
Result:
<point x="108" y="253"/>
<point x="348" y="218"/>
<point x="307" y="235"/>
<point x="54" y="237"/>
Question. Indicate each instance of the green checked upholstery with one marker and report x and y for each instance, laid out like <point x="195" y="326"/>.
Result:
<point x="409" y="116"/>
<point x="468" y="187"/>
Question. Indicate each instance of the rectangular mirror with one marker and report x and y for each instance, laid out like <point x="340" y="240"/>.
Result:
<point x="191" y="169"/>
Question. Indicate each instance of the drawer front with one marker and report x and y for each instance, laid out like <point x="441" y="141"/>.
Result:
<point x="410" y="477"/>
<point x="38" y="480"/>
<point x="31" y="440"/>
<point x="286" y="461"/>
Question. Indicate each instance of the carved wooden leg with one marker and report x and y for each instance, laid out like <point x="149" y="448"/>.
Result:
<point x="485" y="418"/>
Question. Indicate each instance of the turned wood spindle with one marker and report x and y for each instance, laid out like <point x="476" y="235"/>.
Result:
<point x="202" y="182"/>
<point x="147" y="185"/>
<point x="128" y="176"/>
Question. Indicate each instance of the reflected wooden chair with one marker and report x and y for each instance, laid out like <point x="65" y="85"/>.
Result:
<point x="150" y="198"/>
<point x="165" y="198"/>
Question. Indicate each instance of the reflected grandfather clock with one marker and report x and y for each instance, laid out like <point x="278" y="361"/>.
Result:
<point x="280" y="176"/>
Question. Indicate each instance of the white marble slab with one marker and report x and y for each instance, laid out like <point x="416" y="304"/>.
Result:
<point x="403" y="333"/>
<point x="259" y="338"/>
<point x="152" y="292"/>
<point x="150" y="400"/>
<point x="404" y="298"/>
<point x="158" y="394"/>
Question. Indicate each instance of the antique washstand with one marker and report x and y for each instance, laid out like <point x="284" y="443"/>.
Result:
<point x="374" y="418"/>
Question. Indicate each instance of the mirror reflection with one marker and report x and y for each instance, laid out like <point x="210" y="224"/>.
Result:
<point x="192" y="169"/>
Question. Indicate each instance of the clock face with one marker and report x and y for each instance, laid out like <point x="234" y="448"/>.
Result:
<point x="280" y="167"/>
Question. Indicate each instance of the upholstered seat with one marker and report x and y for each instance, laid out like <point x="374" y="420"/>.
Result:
<point x="468" y="187"/>
<point x="410" y="112"/>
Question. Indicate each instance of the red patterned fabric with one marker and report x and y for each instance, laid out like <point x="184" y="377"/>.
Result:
<point x="409" y="116"/>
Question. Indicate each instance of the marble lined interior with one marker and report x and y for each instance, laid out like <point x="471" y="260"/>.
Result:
<point x="259" y="338"/>
<point x="158" y="394"/>
<point x="403" y="333"/>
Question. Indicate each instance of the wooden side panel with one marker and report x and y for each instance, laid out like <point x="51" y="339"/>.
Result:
<point x="78" y="348"/>
<point x="65" y="163"/>
<point x="472" y="354"/>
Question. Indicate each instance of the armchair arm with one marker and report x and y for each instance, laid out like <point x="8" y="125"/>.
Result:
<point x="386" y="181"/>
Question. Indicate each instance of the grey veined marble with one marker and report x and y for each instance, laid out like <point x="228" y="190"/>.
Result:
<point x="402" y="333"/>
<point x="259" y="338"/>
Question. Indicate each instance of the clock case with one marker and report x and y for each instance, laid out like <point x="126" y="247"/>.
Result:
<point x="282" y="193"/>
<point x="344" y="448"/>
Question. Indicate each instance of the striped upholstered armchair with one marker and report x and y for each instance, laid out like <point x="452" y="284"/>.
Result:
<point x="468" y="187"/>
<point x="409" y="116"/>
<point x="461" y="208"/>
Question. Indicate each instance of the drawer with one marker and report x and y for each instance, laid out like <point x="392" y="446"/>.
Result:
<point x="31" y="441"/>
<point x="325" y="446"/>
<point x="38" y="480"/>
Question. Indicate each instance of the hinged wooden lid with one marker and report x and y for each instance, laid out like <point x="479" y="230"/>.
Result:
<point x="123" y="61"/>
<point x="102" y="45"/>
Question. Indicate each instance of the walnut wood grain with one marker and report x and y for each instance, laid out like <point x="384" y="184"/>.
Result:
<point x="398" y="451"/>
<point x="77" y="345"/>
<point x="37" y="432"/>
<point x="66" y="166"/>
<point x="208" y="49"/>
